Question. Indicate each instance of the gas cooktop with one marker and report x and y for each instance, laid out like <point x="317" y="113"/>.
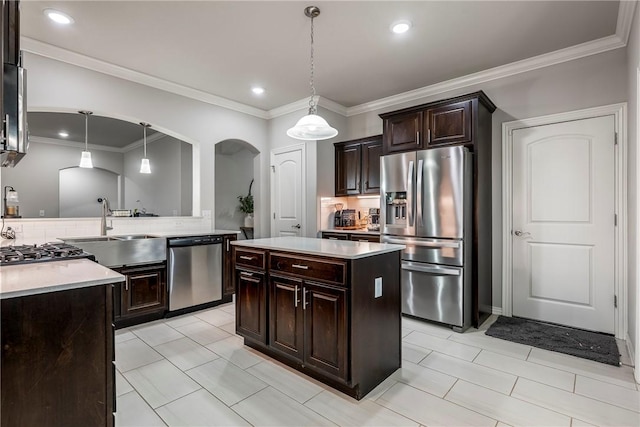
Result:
<point x="24" y="254"/>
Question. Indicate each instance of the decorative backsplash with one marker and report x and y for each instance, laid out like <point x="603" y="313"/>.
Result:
<point x="328" y="208"/>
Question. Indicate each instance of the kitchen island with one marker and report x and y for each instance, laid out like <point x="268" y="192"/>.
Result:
<point x="330" y="309"/>
<point x="57" y="344"/>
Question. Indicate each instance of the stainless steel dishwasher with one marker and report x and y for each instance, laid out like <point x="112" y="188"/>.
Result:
<point x="195" y="271"/>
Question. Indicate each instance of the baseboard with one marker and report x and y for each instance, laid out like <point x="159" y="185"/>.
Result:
<point x="496" y="310"/>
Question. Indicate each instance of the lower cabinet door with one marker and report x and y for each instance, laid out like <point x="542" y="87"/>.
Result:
<point x="326" y="331"/>
<point x="286" y="332"/>
<point x="144" y="291"/>
<point x="251" y="305"/>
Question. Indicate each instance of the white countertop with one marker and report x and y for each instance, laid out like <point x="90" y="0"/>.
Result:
<point x="188" y="233"/>
<point x="358" y="231"/>
<point x="43" y="277"/>
<point x="332" y="248"/>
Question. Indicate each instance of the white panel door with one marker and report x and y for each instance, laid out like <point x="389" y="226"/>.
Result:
<point x="563" y="223"/>
<point x="287" y="195"/>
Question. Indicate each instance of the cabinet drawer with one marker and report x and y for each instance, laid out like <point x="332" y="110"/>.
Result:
<point x="250" y="258"/>
<point x="328" y="271"/>
<point x="365" y="238"/>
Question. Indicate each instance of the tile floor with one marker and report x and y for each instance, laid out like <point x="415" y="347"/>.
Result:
<point x="194" y="371"/>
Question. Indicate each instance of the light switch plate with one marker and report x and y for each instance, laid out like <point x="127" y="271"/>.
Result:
<point x="378" y="287"/>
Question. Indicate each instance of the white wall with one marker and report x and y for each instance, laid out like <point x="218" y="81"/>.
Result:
<point x="35" y="177"/>
<point x="587" y="82"/>
<point x="633" y="71"/>
<point x="234" y="173"/>
<point x="54" y="85"/>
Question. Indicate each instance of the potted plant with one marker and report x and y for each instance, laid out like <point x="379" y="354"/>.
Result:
<point x="246" y="207"/>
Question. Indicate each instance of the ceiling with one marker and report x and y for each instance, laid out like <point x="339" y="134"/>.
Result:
<point x="222" y="48"/>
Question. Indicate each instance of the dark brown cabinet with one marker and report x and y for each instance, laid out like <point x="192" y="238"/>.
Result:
<point x="143" y="296"/>
<point x="447" y="122"/>
<point x="251" y="295"/>
<point x="357" y="166"/>
<point x="320" y="314"/>
<point x="228" y="287"/>
<point x="57" y="359"/>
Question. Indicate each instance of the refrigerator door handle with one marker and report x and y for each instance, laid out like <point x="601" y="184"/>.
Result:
<point x="431" y="269"/>
<point x="410" y="193"/>
<point x="419" y="194"/>
<point x="454" y="245"/>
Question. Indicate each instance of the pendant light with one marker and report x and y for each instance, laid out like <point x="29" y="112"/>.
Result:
<point x="312" y="126"/>
<point x="85" y="160"/>
<point x="145" y="167"/>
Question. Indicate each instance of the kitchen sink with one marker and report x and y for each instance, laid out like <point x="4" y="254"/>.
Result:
<point x="134" y="237"/>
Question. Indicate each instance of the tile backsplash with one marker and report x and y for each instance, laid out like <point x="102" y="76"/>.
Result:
<point x="328" y="208"/>
<point x="29" y="231"/>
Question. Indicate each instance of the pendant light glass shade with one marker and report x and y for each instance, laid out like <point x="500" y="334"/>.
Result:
<point x="85" y="160"/>
<point x="145" y="167"/>
<point x="312" y="126"/>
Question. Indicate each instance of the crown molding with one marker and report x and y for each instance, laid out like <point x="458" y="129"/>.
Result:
<point x="135" y="144"/>
<point x="625" y="19"/>
<point x="49" y="51"/>
<point x="303" y="104"/>
<point x="545" y="60"/>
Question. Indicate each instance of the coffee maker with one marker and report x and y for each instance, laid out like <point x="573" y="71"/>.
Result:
<point x="374" y="219"/>
<point x="337" y="217"/>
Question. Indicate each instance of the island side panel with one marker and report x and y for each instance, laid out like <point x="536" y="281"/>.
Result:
<point x="375" y="322"/>
<point x="57" y="354"/>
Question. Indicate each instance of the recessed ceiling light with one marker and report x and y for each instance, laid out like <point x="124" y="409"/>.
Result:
<point x="257" y="90"/>
<point x="58" y="17"/>
<point x="63" y="134"/>
<point x="400" y="27"/>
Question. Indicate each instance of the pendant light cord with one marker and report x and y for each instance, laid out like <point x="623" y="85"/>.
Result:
<point x="312" y="104"/>
<point x="145" y="140"/>
<point x="86" y="131"/>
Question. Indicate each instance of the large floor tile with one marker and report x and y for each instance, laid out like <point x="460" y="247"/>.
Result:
<point x="215" y="316"/>
<point x="424" y="378"/>
<point x="345" y="411"/>
<point x="504" y="408"/>
<point x="186" y="353"/>
<point x="426" y="327"/>
<point x="156" y="334"/>
<point x="160" y="383"/>
<point x="133" y="411"/>
<point x="228" y="307"/>
<point x="471" y="372"/>
<point x="496" y="345"/>
<point x="176" y="322"/>
<point x="229" y="327"/>
<point x="441" y="345"/>
<point x="226" y="381"/>
<point x="574" y="405"/>
<point x="202" y="332"/>
<point x="413" y="353"/>
<point x="199" y="409"/>
<point x="428" y="409"/>
<point x="619" y="375"/>
<point x="295" y="385"/>
<point x="122" y="386"/>
<point x="269" y="407"/>
<point x="134" y="353"/>
<point x="122" y="335"/>
<point x="522" y="368"/>
<point x="234" y="351"/>
<point x="609" y="393"/>
<point x="381" y="388"/>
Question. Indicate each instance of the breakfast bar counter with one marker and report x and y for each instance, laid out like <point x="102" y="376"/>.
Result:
<point x="330" y="309"/>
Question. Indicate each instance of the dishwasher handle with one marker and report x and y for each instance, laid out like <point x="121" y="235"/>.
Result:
<point x="194" y="241"/>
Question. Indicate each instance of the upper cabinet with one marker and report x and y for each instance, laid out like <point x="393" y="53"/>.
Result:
<point x="358" y="166"/>
<point x="447" y="122"/>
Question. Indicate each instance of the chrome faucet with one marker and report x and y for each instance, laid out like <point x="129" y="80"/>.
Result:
<point x="103" y="219"/>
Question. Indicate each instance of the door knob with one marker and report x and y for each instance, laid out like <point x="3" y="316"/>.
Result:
<point x="296" y="226"/>
<point x="520" y="233"/>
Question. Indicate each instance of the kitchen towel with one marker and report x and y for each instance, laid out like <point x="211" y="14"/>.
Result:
<point x="576" y="342"/>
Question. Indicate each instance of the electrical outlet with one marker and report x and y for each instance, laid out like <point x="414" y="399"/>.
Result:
<point x="378" y="287"/>
<point x="41" y="212"/>
<point x="206" y="214"/>
<point x="17" y="228"/>
<point x="175" y="212"/>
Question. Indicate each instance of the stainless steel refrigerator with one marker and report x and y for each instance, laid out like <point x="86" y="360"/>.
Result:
<point x="426" y="204"/>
